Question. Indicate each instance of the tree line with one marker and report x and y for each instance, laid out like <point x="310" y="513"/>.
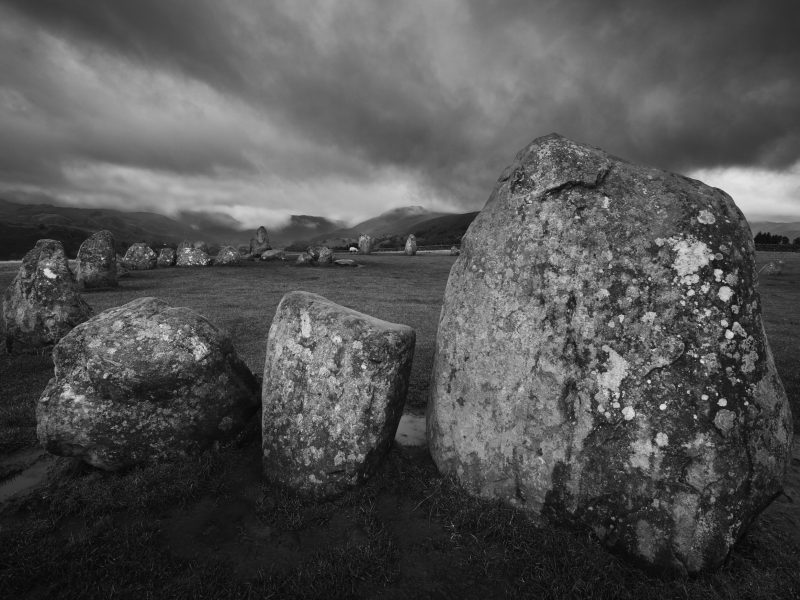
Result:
<point x="775" y="239"/>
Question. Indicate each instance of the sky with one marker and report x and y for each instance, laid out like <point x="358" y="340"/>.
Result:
<point x="348" y="108"/>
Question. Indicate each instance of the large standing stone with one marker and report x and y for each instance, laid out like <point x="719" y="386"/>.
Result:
<point x="601" y="358"/>
<point x="143" y="382"/>
<point x="97" y="262"/>
<point x="140" y="257"/>
<point x="166" y="257"/>
<point x="411" y="245"/>
<point x="227" y="256"/>
<point x="364" y="244"/>
<point x="335" y="382"/>
<point x="260" y="243"/>
<point x="42" y="303"/>
<point x="189" y="256"/>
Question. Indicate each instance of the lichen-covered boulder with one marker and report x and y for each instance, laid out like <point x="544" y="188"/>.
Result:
<point x="42" y="303"/>
<point x="411" y="245"/>
<point x="270" y="255"/>
<point x="140" y="257"/>
<point x="365" y="244"/>
<point x="335" y="382"/>
<point x="143" y="382"/>
<point x="320" y="255"/>
<point x="601" y="358"/>
<point x="97" y="262"/>
<point x="192" y="257"/>
<point x="166" y="257"/>
<point x="227" y="256"/>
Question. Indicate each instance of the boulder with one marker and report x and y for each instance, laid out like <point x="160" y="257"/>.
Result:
<point x="260" y="243"/>
<point x="273" y="255"/>
<point x="455" y="251"/>
<point x="192" y="257"/>
<point x="140" y="257"/>
<point x="335" y="383"/>
<point x="601" y="358"/>
<point x="166" y="257"/>
<point x="143" y="383"/>
<point x="42" y="303"/>
<point x="365" y="244"/>
<point x="304" y="258"/>
<point x="97" y="262"/>
<point x="346" y="262"/>
<point x="411" y="245"/>
<point x="228" y="256"/>
<point x="320" y="255"/>
<point x="773" y="267"/>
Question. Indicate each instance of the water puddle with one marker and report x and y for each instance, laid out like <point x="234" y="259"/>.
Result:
<point x="27" y="470"/>
<point x="411" y="431"/>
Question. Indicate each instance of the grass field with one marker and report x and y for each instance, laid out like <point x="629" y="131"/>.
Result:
<point x="212" y="528"/>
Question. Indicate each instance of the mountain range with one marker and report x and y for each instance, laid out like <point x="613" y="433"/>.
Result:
<point x="22" y="224"/>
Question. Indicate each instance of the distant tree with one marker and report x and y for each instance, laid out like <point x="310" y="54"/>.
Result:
<point x="796" y="241"/>
<point x="769" y="238"/>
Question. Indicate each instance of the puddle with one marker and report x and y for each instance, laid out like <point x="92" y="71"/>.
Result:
<point x="411" y="431"/>
<point x="29" y="468"/>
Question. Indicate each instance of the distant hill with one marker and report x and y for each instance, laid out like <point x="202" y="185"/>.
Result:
<point x="790" y="230"/>
<point x="303" y="227"/>
<point x="445" y="230"/>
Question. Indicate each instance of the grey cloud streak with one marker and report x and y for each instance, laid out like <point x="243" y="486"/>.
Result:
<point x="450" y="91"/>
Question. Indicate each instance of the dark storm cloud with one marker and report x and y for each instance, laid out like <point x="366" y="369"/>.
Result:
<point x="449" y="91"/>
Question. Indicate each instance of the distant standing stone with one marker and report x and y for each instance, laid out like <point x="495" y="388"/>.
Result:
<point x="335" y="382"/>
<point x="192" y="257"/>
<point x="411" y="245"/>
<point x="140" y="257"/>
<point x="773" y="267"/>
<point x="455" y="251"/>
<point x="260" y="243"/>
<point x="97" y="262"/>
<point x="166" y="257"/>
<point x="201" y="245"/>
<point x="42" y="303"/>
<point x="601" y="358"/>
<point x="228" y="256"/>
<point x="143" y="383"/>
<point x="273" y="255"/>
<point x="364" y="244"/>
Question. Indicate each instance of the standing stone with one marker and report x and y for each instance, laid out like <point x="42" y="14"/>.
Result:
<point x="140" y="257"/>
<point x="201" y="245"/>
<point x="364" y="244"/>
<point x="166" y="257"/>
<point x="42" y="303"/>
<point x="601" y="358"/>
<point x="335" y="383"/>
<point x="773" y="267"/>
<point x="97" y="262"/>
<point x="142" y="383"/>
<point x="189" y="256"/>
<point x="411" y="245"/>
<point x="304" y="258"/>
<point x="260" y="244"/>
<point x="228" y="256"/>
<point x="321" y="255"/>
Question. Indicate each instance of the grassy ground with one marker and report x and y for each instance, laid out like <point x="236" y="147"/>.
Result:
<point x="211" y="527"/>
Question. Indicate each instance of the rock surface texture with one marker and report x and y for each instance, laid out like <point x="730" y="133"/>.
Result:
<point x="42" y="303"/>
<point x="227" y="256"/>
<point x="411" y="245"/>
<point x="140" y="257"/>
<point x="143" y="382"/>
<point x="364" y="244"/>
<point x="97" y="262"/>
<point x="166" y="257"/>
<point x="335" y="383"/>
<point x="189" y="256"/>
<point x="601" y="358"/>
